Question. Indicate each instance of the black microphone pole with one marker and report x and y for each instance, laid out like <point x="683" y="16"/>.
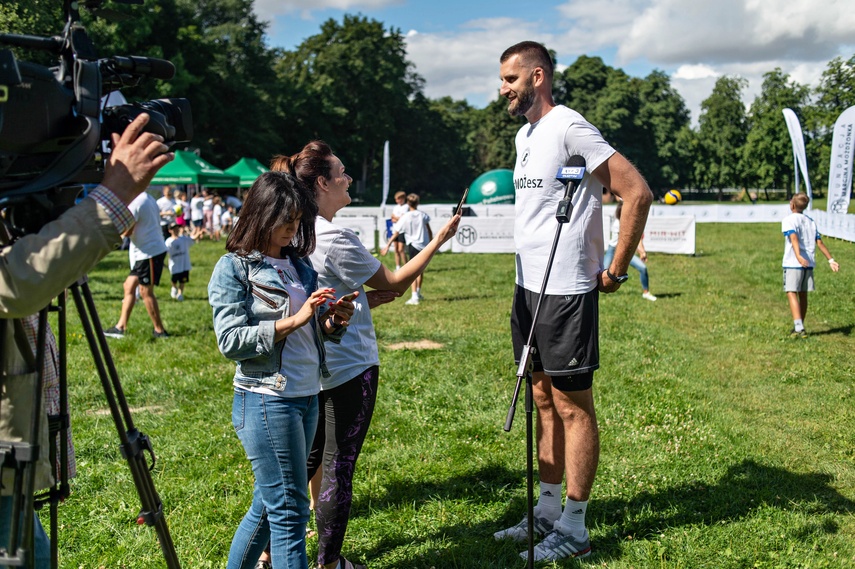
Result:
<point x="569" y="175"/>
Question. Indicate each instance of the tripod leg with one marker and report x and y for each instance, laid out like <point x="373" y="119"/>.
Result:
<point x="133" y="443"/>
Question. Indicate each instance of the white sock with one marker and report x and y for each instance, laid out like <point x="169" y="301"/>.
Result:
<point x="572" y="520"/>
<point x="397" y="267"/>
<point x="799" y="325"/>
<point x="549" y="503"/>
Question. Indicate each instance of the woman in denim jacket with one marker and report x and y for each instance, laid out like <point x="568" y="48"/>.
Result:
<point x="271" y="320"/>
<point x="349" y="394"/>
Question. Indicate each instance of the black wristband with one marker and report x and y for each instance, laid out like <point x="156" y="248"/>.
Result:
<point x="618" y="280"/>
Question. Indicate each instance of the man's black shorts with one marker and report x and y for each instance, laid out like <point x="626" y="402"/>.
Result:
<point x="566" y="336"/>
<point x="148" y="271"/>
<point x="182" y="277"/>
<point x="401" y="239"/>
<point x="412" y="251"/>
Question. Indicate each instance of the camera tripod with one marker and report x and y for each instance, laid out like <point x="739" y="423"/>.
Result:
<point x="133" y="444"/>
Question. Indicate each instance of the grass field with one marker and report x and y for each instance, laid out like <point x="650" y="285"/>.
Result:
<point x="724" y="442"/>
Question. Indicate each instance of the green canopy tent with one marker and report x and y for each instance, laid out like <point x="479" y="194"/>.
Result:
<point x="187" y="168"/>
<point x="247" y="169"/>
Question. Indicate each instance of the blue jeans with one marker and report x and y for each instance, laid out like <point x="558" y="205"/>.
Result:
<point x="42" y="543"/>
<point x="276" y="433"/>
<point x="635" y="263"/>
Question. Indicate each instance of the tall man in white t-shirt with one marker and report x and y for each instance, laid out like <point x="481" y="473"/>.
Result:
<point x="147" y="254"/>
<point x="567" y="340"/>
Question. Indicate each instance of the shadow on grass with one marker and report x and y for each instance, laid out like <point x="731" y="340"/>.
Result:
<point x="843" y="330"/>
<point x="745" y="488"/>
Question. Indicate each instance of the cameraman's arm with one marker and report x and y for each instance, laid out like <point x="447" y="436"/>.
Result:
<point x="37" y="267"/>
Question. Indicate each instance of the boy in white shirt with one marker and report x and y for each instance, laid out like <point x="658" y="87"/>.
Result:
<point x="179" y="260"/>
<point x="800" y="243"/>
<point x="415" y="227"/>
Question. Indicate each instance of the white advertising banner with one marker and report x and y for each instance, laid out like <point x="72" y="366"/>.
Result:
<point x="484" y="235"/>
<point x="842" y="153"/>
<point x="670" y="235"/>
<point x="364" y="227"/>
<point x="799" y="155"/>
<point x="834" y="224"/>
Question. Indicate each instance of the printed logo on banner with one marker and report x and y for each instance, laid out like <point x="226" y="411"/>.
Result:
<point x="466" y="235"/>
<point x="488" y="188"/>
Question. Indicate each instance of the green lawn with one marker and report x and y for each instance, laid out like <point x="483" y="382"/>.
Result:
<point x="724" y="442"/>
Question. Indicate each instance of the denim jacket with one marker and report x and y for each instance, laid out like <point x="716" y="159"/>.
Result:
<point x="248" y="297"/>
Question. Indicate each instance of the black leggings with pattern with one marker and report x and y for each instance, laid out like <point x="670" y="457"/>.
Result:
<point x="344" y="415"/>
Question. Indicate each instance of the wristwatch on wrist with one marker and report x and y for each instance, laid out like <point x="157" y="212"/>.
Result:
<point x="619" y="280"/>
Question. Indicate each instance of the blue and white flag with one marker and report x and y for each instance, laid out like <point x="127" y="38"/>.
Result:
<point x="842" y="153"/>
<point x="799" y="156"/>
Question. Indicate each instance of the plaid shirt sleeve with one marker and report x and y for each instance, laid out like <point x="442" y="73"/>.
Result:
<point x="116" y="210"/>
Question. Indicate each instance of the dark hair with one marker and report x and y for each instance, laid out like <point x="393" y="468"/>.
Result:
<point x="533" y="55"/>
<point x="312" y="162"/>
<point x="273" y="200"/>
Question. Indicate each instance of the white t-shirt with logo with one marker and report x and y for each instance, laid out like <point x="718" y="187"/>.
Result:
<point x="301" y="361"/>
<point x="542" y="148"/>
<point x="166" y="205"/>
<point x="147" y="237"/>
<point x="413" y="226"/>
<point x="343" y="263"/>
<point x="196" y="208"/>
<point x="179" y="253"/>
<point x="807" y="233"/>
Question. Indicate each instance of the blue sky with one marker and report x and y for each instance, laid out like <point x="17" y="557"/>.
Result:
<point x="455" y="45"/>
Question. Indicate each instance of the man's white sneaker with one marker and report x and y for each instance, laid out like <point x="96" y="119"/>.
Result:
<point x="174" y="292"/>
<point x="519" y="532"/>
<point x="414" y="300"/>
<point x="557" y="545"/>
<point x="648" y="296"/>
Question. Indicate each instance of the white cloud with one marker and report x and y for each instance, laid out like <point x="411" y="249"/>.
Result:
<point x="269" y="9"/>
<point x="719" y="31"/>
<point x="466" y="65"/>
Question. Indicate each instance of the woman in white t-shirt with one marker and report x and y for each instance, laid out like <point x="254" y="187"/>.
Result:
<point x="347" y="397"/>
<point x="263" y="292"/>
<point x="638" y="261"/>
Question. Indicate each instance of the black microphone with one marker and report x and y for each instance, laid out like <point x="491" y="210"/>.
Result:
<point x="570" y="175"/>
<point x="148" y="66"/>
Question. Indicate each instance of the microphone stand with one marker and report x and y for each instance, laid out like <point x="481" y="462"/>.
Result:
<point x="524" y="371"/>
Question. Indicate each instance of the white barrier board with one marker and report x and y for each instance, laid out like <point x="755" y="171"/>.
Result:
<point x="364" y="227"/>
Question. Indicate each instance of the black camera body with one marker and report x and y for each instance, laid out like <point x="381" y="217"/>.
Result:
<point x="53" y="124"/>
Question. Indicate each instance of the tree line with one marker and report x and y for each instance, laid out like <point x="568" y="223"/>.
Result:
<point x="352" y="85"/>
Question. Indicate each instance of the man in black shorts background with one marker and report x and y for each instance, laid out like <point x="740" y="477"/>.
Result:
<point x="566" y="337"/>
<point x="147" y="254"/>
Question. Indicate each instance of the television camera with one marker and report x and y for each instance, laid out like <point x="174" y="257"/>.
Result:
<point x="53" y="121"/>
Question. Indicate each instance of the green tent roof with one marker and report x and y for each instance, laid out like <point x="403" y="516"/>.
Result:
<point x="248" y="169"/>
<point x="187" y="168"/>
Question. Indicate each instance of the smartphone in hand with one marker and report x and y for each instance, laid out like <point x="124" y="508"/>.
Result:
<point x="461" y="202"/>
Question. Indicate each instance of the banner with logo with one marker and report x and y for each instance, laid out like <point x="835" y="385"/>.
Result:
<point x="364" y="227"/>
<point x="674" y="235"/>
<point x="484" y="235"/>
<point x="799" y="156"/>
<point x="842" y="153"/>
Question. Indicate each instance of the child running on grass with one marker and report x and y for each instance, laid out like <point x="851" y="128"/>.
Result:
<point x="801" y="239"/>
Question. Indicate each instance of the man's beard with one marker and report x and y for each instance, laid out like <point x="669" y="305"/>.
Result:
<point x="524" y="100"/>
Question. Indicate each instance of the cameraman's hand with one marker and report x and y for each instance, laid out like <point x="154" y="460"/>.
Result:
<point x="136" y="158"/>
